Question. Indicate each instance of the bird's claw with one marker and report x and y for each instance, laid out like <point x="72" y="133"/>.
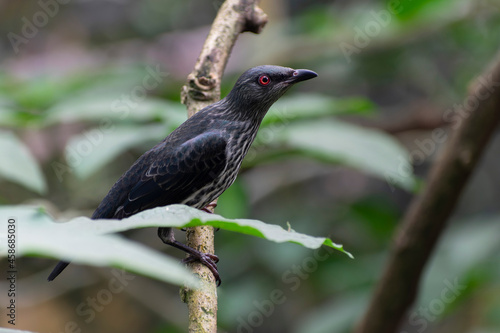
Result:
<point x="207" y="259"/>
<point x="213" y="257"/>
<point x="192" y="258"/>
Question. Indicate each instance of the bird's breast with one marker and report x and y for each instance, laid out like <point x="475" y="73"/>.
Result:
<point x="239" y="142"/>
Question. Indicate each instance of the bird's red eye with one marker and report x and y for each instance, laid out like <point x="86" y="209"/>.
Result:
<point x="264" y="80"/>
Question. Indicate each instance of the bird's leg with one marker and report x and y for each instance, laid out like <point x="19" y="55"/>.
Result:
<point x="210" y="210"/>
<point x="210" y="207"/>
<point x="207" y="259"/>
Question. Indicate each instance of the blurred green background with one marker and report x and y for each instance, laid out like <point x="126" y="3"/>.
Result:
<point x="88" y="86"/>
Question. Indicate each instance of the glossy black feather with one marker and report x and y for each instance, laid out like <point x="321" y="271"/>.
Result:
<point x="201" y="158"/>
<point x="163" y="174"/>
<point x="185" y="170"/>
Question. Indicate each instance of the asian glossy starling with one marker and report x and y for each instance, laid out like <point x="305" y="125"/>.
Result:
<point x="201" y="158"/>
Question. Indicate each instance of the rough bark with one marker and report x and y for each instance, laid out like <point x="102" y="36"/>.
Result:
<point x="203" y="83"/>
<point x="202" y="89"/>
<point x="427" y="215"/>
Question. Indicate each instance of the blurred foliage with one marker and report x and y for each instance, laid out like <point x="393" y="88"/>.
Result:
<point x="18" y="165"/>
<point x="75" y="114"/>
<point x="133" y="119"/>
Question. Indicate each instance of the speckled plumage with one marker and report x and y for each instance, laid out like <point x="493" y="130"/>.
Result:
<point x="201" y="158"/>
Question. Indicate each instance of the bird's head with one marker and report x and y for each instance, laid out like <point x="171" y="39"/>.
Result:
<point x="259" y="87"/>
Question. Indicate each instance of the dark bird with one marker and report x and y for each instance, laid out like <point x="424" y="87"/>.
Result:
<point x="201" y="158"/>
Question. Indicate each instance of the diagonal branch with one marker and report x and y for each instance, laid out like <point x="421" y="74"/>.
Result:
<point x="202" y="89"/>
<point x="203" y="83"/>
<point x="426" y="217"/>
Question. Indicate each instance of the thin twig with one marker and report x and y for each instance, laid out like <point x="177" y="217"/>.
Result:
<point x="202" y="89"/>
<point x="427" y="215"/>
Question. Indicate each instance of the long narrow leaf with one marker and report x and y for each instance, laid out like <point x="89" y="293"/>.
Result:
<point x="368" y="150"/>
<point x="18" y="165"/>
<point x="181" y="216"/>
<point x="90" y="151"/>
<point x="36" y="234"/>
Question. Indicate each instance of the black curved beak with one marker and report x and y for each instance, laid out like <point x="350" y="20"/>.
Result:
<point x="302" y="75"/>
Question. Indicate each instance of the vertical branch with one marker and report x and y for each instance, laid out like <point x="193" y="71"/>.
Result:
<point x="427" y="215"/>
<point x="202" y="89"/>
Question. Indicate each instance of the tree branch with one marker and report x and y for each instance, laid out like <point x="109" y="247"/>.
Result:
<point x="203" y="83"/>
<point x="426" y="217"/>
<point x="202" y="89"/>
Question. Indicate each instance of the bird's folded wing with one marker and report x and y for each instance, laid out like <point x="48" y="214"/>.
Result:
<point x="177" y="174"/>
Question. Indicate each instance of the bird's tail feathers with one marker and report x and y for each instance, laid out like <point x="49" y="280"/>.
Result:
<point x="61" y="265"/>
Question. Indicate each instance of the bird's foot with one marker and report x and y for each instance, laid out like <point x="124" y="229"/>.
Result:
<point x="207" y="259"/>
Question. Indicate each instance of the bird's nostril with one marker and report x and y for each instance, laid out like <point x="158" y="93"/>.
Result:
<point x="295" y="73"/>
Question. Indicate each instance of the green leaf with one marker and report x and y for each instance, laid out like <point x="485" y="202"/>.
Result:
<point x="91" y="150"/>
<point x="37" y="235"/>
<point x="92" y="242"/>
<point x="181" y="216"/>
<point x="39" y="92"/>
<point x="18" y="165"/>
<point x="7" y="116"/>
<point x="427" y="9"/>
<point x="312" y="106"/>
<point x="364" y="149"/>
<point x="8" y="112"/>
